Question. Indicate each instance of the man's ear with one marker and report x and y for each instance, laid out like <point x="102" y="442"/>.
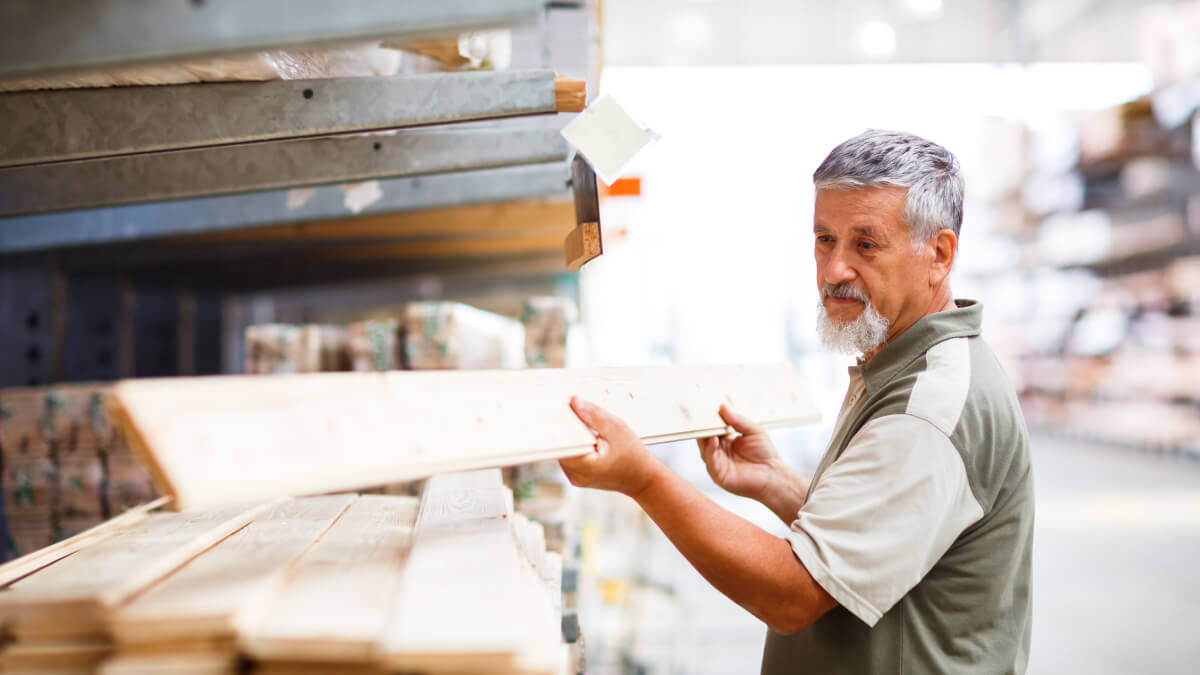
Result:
<point x="945" y="247"/>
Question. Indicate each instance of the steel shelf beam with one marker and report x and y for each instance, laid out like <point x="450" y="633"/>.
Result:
<point x="212" y="214"/>
<point x="39" y="36"/>
<point x="267" y="166"/>
<point x="69" y="124"/>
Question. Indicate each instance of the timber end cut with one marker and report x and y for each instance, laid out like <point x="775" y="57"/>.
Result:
<point x="570" y="94"/>
<point x="583" y="244"/>
<point x="211" y="441"/>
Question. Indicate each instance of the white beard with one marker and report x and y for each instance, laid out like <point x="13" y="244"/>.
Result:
<point x="860" y="336"/>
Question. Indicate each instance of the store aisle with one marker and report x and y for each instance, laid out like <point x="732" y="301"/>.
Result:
<point x="1116" y="561"/>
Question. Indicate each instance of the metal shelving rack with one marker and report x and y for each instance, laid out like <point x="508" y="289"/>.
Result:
<point x="98" y="187"/>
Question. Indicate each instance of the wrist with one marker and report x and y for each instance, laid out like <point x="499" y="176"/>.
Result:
<point x="783" y="494"/>
<point x="651" y="476"/>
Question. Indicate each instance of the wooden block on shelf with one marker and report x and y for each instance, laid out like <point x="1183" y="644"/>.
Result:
<point x="214" y="440"/>
<point x="333" y="605"/>
<point x="201" y="600"/>
<point x="583" y="244"/>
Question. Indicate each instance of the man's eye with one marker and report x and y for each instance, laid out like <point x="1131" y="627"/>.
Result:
<point x="866" y="244"/>
<point x="824" y="238"/>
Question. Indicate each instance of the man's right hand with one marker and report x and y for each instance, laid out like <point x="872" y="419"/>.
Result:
<point x="748" y="465"/>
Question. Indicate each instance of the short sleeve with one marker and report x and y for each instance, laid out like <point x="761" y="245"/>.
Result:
<point x="883" y="514"/>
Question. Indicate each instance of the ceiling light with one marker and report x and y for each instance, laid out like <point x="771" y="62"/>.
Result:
<point x="877" y="38"/>
<point x="925" y="9"/>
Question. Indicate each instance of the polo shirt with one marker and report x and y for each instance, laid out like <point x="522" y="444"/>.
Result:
<point x="919" y="518"/>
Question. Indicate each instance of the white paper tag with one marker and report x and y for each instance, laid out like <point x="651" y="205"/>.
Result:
<point x="608" y="137"/>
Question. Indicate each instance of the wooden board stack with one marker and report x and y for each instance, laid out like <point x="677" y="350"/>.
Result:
<point x="334" y="583"/>
<point x="66" y="468"/>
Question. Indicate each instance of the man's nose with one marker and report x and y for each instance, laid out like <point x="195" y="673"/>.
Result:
<point x="837" y="269"/>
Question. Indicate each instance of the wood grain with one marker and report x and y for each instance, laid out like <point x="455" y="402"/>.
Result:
<point x="70" y="599"/>
<point x="13" y="570"/>
<point x="201" y="600"/>
<point x="333" y="605"/>
<point x="468" y="601"/>
<point x="59" y="657"/>
<point x="582" y="244"/>
<point x="215" y="440"/>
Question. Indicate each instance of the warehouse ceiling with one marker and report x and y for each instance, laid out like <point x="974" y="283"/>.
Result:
<point x="757" y="32"/>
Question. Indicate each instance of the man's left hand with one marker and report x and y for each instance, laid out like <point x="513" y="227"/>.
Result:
<point x="619" y="462"/>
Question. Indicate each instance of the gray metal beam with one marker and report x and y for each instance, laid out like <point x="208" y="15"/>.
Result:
<point x="38" y="36"/>
<point x="165" y="219"/>
<point x="48" y="126"/>
<point x="267" y="166"/>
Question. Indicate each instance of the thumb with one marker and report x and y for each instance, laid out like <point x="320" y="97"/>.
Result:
<point x="596" y="418"/>
<point x="740" y="424"/>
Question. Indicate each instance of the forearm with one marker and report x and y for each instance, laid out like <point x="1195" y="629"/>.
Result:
<point x="755" y="569"/>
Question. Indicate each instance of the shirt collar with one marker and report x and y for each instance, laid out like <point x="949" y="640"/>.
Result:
<point x="965" y="320"/>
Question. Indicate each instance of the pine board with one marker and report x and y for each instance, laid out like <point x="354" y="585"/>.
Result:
<point x="188" y="663"/>
<point x="13" y="570"/>
<point x="202" y="599"/>
<point x="215" y="440"/>
<point x="71" y="598"/>
<point x="58" y="657"/>
<point x="468" y="601"/>
<point x="333" y="605"/>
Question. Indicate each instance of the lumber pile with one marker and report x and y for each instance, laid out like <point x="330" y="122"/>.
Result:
<point x="423" y="336"/>
<point x="66" y="467"/>
<point x="454" y="582"/>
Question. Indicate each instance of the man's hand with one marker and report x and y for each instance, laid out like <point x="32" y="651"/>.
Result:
<point x="620" y="461"/>
<point x="748" y="465"/>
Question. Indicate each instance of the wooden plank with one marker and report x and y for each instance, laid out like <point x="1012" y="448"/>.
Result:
<point x="13" y="570"/>
<point x="214" y="440"/>
<point x="201" y="600"/>
<point x="59" y="657"/>
<point x="70" y="599"/>
<point x="472" y="219"/>
<point x="468" y="601"/>
<point x="187" y="663"/>
<point x="333" y="605"/>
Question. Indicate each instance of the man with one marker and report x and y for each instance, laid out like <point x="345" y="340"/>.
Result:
<point x="909" y="551"/>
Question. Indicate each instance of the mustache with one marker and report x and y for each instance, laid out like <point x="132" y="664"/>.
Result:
<point x="844" y="291"/>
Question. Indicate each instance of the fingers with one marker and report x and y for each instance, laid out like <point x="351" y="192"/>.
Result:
<point x="707" y="447"/>
<point x="596" y="418"/>
<point x="740" y="424"/>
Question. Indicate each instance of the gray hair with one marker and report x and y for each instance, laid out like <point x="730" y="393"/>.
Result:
<point x="878" y="158"/>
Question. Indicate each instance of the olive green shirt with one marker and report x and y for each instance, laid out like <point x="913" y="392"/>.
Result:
<point x="919" y="519"/>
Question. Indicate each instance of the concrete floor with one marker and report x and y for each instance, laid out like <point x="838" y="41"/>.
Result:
<point x="1116" y="572"/>
<point x="1116" y="561"/>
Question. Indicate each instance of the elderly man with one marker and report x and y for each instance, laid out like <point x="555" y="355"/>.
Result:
<point x="909" y="550"/>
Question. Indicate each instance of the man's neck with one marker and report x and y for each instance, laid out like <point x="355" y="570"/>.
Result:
<point x="946" y="302"/>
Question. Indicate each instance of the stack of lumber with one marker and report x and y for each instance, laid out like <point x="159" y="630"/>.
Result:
<point x="332" y="583"/>
<point x="425" y="336"/>
<point x="547" y="321"/>
<point x="451" y="335"/>
<point x="66" y="468"/>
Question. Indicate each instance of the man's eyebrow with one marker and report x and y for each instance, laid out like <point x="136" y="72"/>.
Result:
<point x="867" y="230"/>
<point x="820" y="228"/>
